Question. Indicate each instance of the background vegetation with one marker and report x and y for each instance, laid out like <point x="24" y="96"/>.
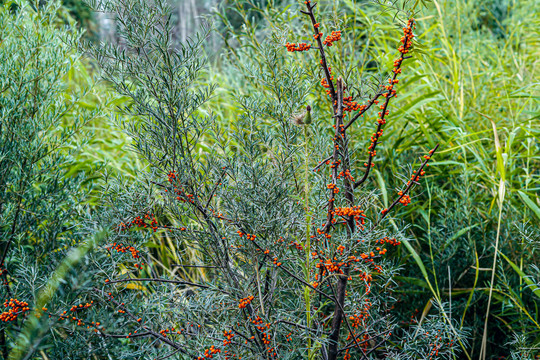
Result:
<point x="474" y="229"/>
<point x="479" y="98"/>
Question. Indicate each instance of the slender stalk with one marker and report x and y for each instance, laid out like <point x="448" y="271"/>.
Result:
<point x="307" y="244"/>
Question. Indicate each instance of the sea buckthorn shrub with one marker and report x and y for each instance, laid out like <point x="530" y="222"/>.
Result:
<point x="454" y="221"/>
<point x="295" y="252"/>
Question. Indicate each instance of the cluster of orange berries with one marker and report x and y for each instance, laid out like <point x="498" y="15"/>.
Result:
<point x="124" y="249"/>
<point x="242" y="303"/>
<point x="381" y="251"/>
<point x="276" y="262"/>
<point x="352" y="105"/>
<point x="407" y="37"/>
<point x="368" y="257"/>
<point x="437" y="344"/>
<point x="17" y="308"/>
<point x="141" y="222"/>
<point x="78" y="321"/>
<point x="80" y="306"/>
<point x="95" y="325"/>
<point x="164" y="332"/>
<point x="324" y="83"/>
<point x="406" y="40"/>
<point x="387" y="240"/>
<point x="346" y="175"/>
<point x="297" y="245"/>
<point x="403" y="49"/>
<point x="333" y="37"/>
<point x="333" y="187"/>
<point x="335" y="163"/>
<point x="405" y="200"/>
<point x="415" y="176"/>
<point x="266" y="338"/>
<point x="280" y="240"/>
<point x="180" y="196"/>
<point x="300" y="47"/>
<point x="288" y="337"/>
<point x="209" y="353"/>
<point x="216" y="214"/>
<point x="228" y="337"/>
<point x="358" y="321"/>
<point x="172" y="176"/>
<point x="381" y="120"/>
<point x="390" y="87"/>
<point x="329" y="266"/>
<point x="354" y="212"/>
<point x="248" y="236"/>
<point x="320" y="232"/>
<point x="366" y="277"/>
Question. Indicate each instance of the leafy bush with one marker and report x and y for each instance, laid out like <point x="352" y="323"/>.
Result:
<point x="271" y="258"/>
<point x="468" y="81"/>
<point x="40" y="202"/>
<point x="293" y="264"/>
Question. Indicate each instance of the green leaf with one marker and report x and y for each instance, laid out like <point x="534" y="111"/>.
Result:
<point x="419" y="262"/>
<point x="527" y="200"/>
<point x="535" y="289"/>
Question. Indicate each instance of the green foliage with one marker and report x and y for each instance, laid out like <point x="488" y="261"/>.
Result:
<point x="234" y="196"/>
<point x="40" y="203"/>
<point x="479" y="67"/>
<point x="154" y="250"/>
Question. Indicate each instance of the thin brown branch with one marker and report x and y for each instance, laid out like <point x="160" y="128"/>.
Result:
<point x="324" y="64"/>
<point x="409" y="186"/>
<point x="152" y="333"/>
<point x="375" y="140"/>
<point x="166" y="281"/>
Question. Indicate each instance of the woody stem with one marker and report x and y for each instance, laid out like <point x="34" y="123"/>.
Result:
<point x="321" y="51"/>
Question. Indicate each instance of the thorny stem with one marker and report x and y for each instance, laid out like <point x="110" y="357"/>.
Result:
<point x="410" y="184"/>
<point x="390" y="94"/>
<point x="150" y="331"/>
<point x="339" y="139"/>
<point x="320" y="47"/>
<point x="178" y="282"/>
<point x="339" y="294"/>
<point x="341" y="150"/>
